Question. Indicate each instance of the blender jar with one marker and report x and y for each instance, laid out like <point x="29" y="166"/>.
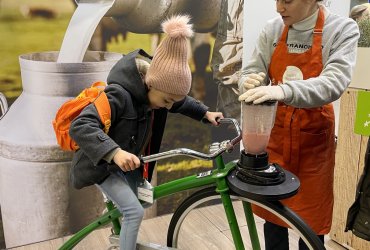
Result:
<point x="257" y="122"/>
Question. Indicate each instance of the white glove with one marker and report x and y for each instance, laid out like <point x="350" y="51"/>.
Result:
<point x="253" y="80"/>
<point x="233" y="79"/>
<point x="262" y="94"/>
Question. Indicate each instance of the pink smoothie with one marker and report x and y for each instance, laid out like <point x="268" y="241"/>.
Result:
<point x="255" y="143"/>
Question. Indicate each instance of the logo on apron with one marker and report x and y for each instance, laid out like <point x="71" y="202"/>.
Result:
<point x="292" y="73"/>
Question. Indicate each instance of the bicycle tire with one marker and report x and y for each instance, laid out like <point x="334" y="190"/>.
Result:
<point x="276" y="207"/>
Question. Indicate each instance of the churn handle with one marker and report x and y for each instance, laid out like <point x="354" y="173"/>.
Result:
<point x="3" y="105"/>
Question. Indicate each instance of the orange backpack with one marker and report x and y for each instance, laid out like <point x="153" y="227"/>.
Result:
<point x="72" y="108"/>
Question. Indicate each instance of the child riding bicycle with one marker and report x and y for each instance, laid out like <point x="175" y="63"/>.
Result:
<point x="140" y="94"/>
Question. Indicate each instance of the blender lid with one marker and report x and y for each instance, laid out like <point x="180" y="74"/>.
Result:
<point x="265" y="103"/>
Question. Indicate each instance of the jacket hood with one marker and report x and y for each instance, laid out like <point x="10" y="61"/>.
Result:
<point x="126" y="74"/>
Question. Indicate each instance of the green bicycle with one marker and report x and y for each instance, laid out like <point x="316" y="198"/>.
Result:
<point x="220" y="184"/>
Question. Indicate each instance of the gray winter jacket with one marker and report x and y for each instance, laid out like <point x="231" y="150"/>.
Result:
<point x="130" y="118"/>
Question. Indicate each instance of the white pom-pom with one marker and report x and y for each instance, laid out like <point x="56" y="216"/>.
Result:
<point x="178" y="26"/>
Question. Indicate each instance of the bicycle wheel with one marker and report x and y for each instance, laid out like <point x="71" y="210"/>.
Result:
<point x="192" y="223"/>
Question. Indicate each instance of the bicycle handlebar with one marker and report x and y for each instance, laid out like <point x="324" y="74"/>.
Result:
<point x="222" y="147"/>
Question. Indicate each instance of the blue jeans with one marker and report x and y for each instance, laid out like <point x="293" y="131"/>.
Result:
<point x="121" y="189"/>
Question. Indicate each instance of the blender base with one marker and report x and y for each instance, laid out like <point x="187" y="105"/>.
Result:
<point x="274" y="192"/>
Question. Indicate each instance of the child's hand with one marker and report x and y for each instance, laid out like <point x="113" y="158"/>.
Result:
<point x="126" y="161"/>
<point x="213" y="117"/>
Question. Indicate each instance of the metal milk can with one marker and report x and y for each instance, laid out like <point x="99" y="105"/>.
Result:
<point x="37" y="202"/>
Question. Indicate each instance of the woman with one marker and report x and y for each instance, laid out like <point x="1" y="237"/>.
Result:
<point x="308" y="55"/>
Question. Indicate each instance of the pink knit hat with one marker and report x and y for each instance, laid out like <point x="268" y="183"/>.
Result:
<point x="169" y="70"/>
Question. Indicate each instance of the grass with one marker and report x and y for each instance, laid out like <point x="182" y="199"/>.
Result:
<point x="60" y="6"/>
<point x="184" y="165"/>
<point x="22" y="36"/>
<point x="364" y="26"/>
<point x="133" y="42"/>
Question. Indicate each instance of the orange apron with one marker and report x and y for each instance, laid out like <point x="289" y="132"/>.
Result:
<point x="302" y="140"/>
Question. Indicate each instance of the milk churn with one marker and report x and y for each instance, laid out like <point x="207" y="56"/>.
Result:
<point x="37" y="202"/>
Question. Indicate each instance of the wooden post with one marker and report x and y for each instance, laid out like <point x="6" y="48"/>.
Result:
<point x="349" y="165"/>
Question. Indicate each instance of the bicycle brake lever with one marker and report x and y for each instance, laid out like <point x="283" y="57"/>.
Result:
<point x="205" y="121"/>
<point x="141" y="160"/>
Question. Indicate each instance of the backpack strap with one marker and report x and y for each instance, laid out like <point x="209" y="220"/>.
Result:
<point x="99" y="84"/>
<point x="102" y="106"/>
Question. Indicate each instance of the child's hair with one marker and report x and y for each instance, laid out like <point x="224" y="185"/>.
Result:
<point x="169" y="70"/>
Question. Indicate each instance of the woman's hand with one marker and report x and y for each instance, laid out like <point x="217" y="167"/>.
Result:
<point x="262" y="94"/>
<point x="213" y="117"/>
<point x="126" y="161"/>
<point x="253" y="80"/>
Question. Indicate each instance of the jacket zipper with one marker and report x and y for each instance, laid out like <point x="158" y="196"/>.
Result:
<point x="146" y="132"/>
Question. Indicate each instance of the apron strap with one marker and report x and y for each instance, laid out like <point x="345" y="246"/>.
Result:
<point x="146" y="165"/>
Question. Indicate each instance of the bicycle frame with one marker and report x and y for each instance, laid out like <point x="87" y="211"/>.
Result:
<point x="216" y="177"/>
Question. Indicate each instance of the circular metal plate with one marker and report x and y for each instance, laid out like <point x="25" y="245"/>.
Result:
<point x="274" y="192"/>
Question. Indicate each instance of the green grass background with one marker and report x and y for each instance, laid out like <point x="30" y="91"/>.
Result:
<point x="20" y="35"/>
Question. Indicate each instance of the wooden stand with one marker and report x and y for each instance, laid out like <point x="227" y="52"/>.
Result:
<point x="350" y="156"/>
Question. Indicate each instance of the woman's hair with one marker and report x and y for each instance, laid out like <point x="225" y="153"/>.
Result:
<point x="357" y="11"/>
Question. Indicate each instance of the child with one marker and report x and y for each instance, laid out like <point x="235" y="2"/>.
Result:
<point x="140" y="95"/>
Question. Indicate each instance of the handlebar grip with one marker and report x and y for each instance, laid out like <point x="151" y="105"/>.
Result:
<point x="205" y="120"/>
